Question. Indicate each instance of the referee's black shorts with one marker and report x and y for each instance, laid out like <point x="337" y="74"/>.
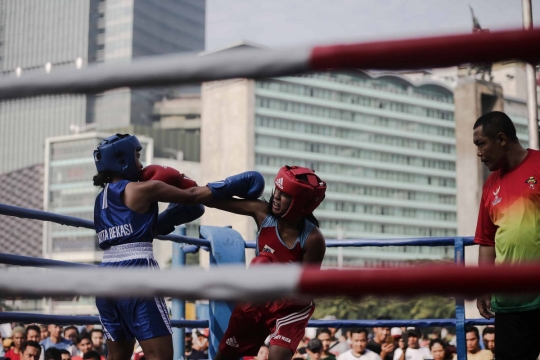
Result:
<point x="517" y="335"/>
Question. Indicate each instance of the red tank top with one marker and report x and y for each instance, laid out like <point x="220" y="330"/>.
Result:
<point x="268" y="240"/>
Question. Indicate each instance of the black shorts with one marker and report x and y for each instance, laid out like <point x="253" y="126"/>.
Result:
<point x="516" y="335"/>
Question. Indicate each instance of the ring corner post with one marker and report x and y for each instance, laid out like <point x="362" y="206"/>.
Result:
<point x="226" y="247"/>
<point x="459" y="259"/>
<point x="178" y="305"/>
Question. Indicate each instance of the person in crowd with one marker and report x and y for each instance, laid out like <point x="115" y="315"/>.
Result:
<point x="472" y="338"/>
<point x="92" y="355"/>
<point x="84" y="345"/>
<point x="201" y="341"/>
<point x="192" y="354"/>
<point x="98" y="341"/>
<point x="263" y="353"/>
<point x="410" y="349"/>
<point x="70" y="333"/>
<point x="7" y="344"/>
<point x="359" y="350"/>
<point x="86" y="329"/>
<point x="314" y="349"/>
<point x="30" y="350"/>
<point x="33" y="333"/>
<point x="488" y="338"/>
<point x="18" y="337"/>
<point x="126" y="220"/>
<point x="438" y="349"/>
<point x="44" y="332"/>
<point x="53" y="353"/>
<point x="65" y="354"/>
<point x="55" y="339"/>
<point x="382" y="342"/>
<point x="509" y="211"/>
<point x="325" y="336"/>
<point x="2" y="351"/>
<point x="339" y="343"/>
<point x="288" y="233"/>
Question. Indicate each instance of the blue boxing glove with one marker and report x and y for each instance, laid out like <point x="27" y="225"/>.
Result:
<point x="177" y="214"/>
<point x="246" y="185"/>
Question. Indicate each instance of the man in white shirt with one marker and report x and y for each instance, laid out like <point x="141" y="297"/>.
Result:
<point x="358" y="347"/>
<point x="411" y="350"/>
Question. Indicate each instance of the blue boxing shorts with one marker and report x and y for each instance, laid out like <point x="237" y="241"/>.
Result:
<point x="128" y="318"/>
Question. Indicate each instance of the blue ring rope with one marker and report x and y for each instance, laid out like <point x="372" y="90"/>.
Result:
<point x="93" y="320"/>
<point x="73" y="221"/>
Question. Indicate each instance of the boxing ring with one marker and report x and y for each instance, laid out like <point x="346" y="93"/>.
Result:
<point x="227" y="247"/>
<point x="225" y="282"/>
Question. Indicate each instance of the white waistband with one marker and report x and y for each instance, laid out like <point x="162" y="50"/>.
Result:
<point x="129" y="251"/>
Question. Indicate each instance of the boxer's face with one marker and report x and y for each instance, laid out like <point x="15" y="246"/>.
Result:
<point x="138" y="161"/>
<point x="280" y="202"/>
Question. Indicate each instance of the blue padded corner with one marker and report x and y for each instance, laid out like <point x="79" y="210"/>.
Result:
<point x="226" y="247"/>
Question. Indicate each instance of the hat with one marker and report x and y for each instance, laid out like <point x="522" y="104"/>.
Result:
<point x="413" y="332"/>
<point x="18" y="330"/>
<point x="396" y="332"/>
<point x="314" y="345"/>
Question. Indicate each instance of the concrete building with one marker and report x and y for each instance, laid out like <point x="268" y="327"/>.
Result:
<point x="384" y="144"/>
<point x="50" y="35"/>
<point x="22" y="188"/>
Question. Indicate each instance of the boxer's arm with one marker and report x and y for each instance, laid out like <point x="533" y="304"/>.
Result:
<point x="139" y="195"/>
<point x="257" y="209"/>
<point x="315" y="249"/>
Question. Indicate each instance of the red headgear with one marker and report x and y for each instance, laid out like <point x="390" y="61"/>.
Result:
<point x="306" y="194"/>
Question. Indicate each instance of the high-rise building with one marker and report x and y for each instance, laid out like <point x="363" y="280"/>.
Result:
<point x="385" y="146"/>
<point x="47" y="35"/>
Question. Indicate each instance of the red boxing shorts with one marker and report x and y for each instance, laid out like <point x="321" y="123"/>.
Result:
<point x="284" y="321"/>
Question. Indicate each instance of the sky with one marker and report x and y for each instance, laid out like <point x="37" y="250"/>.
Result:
<point x="288" y="23"/>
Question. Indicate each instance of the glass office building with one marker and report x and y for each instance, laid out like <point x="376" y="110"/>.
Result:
<point x="385" y="146"/>
<point x="44" y="36"/>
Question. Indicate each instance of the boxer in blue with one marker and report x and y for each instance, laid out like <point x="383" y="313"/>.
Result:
<point x="126" y="220"/>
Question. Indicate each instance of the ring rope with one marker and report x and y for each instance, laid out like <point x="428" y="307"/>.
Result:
<point x="28" y="318"/>
<point x="24" y="213"/>
<point x="20" y="212"/>
<point x="93" y="320"/>
<point x="418" y="53"/>
<point x="274" y="281"/>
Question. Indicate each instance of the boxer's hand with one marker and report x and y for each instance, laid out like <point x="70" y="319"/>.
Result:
<point x="177" y="214"/>
<point x="167" y="175"/>
<point x="264" y="258"/>
<point x="247" y="185"/>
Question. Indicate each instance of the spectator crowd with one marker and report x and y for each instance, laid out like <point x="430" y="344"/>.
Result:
<point x="55" y="342"/>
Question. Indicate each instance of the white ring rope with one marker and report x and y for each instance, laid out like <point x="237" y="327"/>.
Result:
<point x="223" y="283"/>
<point x="271" y="281"/>
<point x="178" y="69"/>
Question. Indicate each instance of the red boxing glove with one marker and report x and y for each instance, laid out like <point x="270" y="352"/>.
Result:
<point x="168" y="175"/>
<point x="264" y="258"/>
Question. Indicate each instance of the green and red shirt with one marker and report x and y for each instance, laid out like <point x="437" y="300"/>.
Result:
<point x="509" y="219"/>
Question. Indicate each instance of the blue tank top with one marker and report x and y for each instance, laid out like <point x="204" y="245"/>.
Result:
<point x="116" y="224"/>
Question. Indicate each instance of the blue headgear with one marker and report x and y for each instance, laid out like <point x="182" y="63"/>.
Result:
<point x="117" y="155"/>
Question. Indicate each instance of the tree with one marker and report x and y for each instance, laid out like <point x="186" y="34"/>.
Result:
<point x="369" y="308"/>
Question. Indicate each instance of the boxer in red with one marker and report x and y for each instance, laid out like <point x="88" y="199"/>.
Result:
<point x="288" y="233"/>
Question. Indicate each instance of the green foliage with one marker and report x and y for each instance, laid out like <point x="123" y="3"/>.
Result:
<point x="369" y="308"/>
<point x="192" y="259"/>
